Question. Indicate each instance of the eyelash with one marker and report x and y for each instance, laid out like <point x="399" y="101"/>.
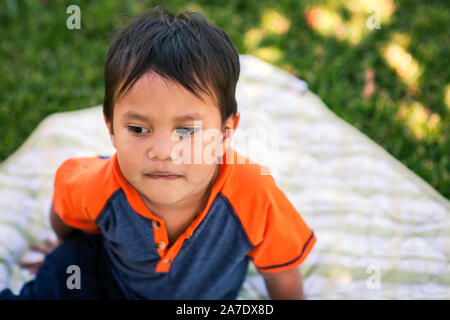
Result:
<point x="191" y="131"/>
<point x="130" y="129"/>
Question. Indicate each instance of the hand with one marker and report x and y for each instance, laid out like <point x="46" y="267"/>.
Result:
<point x="49" y="246"/>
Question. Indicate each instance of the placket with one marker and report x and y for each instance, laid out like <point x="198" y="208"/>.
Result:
<point x="161" y="242"/>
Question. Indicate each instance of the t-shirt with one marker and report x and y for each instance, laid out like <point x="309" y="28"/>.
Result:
<point x="247" y="217"/>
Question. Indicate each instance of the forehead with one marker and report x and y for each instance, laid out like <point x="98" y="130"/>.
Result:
<point x="153" y="95"/>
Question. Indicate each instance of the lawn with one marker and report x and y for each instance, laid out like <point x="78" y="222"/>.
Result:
<point x="388" y="77"/>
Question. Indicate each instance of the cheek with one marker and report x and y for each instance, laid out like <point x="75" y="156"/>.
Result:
<point x="128" y="167"/>
<point x="197" y="176"/>
<point x="126" y="143"/>
<point x="199" y="149"/>
<point x="212" y="148"/>
<point x="186" y="152"/>
<point x="200" y="155"/>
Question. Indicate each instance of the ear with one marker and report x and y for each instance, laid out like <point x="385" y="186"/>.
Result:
<point x="229" y="128"/>
<point x="236" y="121"/>
<point x="231" y="124"/>
<point x="111" y="135"/>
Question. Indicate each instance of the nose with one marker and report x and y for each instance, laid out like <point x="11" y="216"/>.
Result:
<point x="161" y="145"/>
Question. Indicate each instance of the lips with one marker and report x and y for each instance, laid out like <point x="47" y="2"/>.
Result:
<point x="162" y="173"/>
<point x="166" y="175"/>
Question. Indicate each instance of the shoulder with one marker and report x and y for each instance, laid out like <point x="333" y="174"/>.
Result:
<point x="280" y="237"/>
<point x="78" y="171"/>
<point x="253" y="194"/>
<point x="90" y="178"/>
<point x="247" y="179"/>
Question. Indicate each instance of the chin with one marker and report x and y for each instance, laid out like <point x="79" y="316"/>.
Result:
<point x="162" y="196"/>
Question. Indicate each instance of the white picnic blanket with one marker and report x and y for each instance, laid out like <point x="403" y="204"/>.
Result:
<point x="382" y="232"/>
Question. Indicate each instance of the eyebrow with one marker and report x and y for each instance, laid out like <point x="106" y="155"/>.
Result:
<point x="137" y="116"/>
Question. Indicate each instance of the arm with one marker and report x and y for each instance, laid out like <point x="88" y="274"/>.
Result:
<point x="284" y="285"/>
<point x="61" y="229"/>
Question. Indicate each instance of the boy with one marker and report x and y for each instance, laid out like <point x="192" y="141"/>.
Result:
<point x="142" y="224"/>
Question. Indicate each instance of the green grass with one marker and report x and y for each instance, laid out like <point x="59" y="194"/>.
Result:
<point x="46" y="68"/>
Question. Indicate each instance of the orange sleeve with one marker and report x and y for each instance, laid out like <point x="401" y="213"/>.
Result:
<point x="69" y="196"/>
<point x="287" y="239"/>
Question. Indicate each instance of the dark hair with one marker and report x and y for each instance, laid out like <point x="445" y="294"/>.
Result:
<point x="185" y="48"/>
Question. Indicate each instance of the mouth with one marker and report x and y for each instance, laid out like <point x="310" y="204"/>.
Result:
<point x="163" y="176"/>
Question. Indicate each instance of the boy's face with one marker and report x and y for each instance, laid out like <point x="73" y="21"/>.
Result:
<point x="145" y="144"/>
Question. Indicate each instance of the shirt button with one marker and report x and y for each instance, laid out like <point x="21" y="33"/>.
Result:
<point x="155" y="224"/>
<point x="166" y="261"/>
<point x="160" y="245"/>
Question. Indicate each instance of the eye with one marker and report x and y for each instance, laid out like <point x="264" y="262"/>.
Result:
<point x="136" y="130"/>
<point x="186" y="131"/>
